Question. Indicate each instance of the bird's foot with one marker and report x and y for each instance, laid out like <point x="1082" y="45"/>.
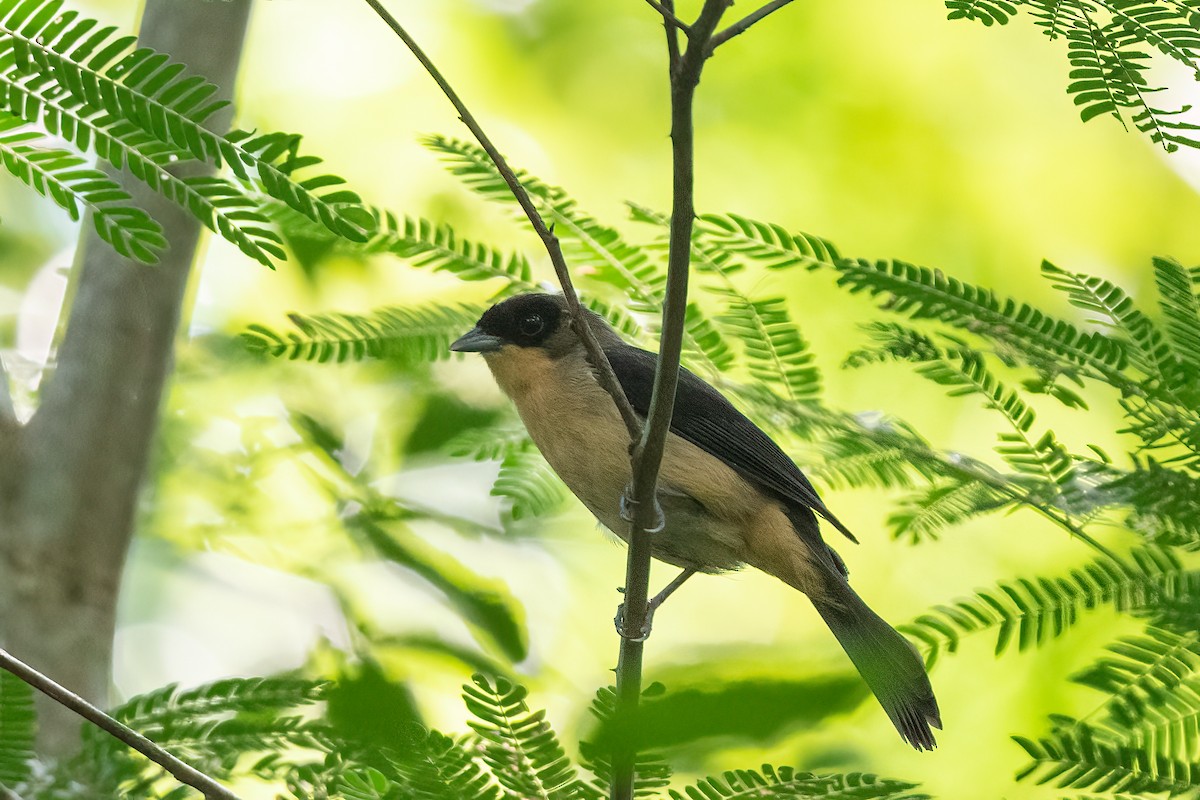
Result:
<point x="619" y="622"/>
<point x="628" y="508"/>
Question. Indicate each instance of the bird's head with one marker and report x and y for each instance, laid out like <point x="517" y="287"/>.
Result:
<point x="526" y="321"/>
<point x="526" y="339"/>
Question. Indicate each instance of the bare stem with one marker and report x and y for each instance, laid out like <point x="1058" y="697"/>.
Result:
<point x="744" y="23"/>
<point x="647" y="456"/>
<point x="672" y="40"/>
<point x="604" y="373"/>
<point x="668" y="14"/>
<point x="178" y="769"/>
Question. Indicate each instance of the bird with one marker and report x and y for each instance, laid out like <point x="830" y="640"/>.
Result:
<point x="729" y="496"/>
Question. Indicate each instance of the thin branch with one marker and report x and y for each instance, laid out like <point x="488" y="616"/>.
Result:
<point x="604" y="373"/>
<point x="672" y="39"/>
<point x="648" y="454"/>
<point x="179" y="770"/>
<point x="8" y="794"/>
<point x="744" y="23"/>
<point x="668" y="14"/>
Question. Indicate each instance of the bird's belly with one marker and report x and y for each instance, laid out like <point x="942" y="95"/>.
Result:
<point x="589" y="452"/>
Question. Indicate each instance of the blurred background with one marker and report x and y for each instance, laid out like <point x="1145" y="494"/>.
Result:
<point x="876" y="124"/>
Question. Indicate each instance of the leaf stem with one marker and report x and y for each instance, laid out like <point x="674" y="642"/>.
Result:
<point x="181" y="771"/>
<point x="648" y="453"/>
<point x="744" y="23"/>
<point x="604" y="373"/>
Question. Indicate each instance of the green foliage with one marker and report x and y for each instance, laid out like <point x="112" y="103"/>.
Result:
<point x="1028" y="612"/>
<point x="409" y="335"/>
<point x="512" y="753"/>
<point x="1110" y="44"/>
<point x="519" y="746"/>
<point x="17" y="728"/>
<point x="66" y="179"/>
<point x="135" y="109"/>
<point x="786" y="782"/>
<point x="958" y="336"/>
<point x="1076" y="756"/>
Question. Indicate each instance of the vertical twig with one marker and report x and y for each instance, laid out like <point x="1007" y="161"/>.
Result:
<point x="647" y="456"/>
<point x="605" y="375"/>
<point x="672" y="39"/>
<point x="181" y="771"/>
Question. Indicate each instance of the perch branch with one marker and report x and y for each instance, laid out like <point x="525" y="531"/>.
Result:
<point x="647" y="456"/>
<point x="179" y="770"/>
<point x="608" y="380"/>
<point x="744" y="23"/>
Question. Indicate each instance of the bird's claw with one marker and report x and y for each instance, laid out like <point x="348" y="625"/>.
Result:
<point x="619" y="622"/>
<point x="628" y="508"/>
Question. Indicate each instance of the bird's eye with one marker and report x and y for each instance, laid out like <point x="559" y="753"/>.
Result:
<point x="532" y="325"/>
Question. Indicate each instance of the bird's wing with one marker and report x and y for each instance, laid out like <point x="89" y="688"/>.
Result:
<point x="705" y="418"/>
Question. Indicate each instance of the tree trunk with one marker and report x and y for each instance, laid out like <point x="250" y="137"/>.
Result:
<point x="70" y="479"/>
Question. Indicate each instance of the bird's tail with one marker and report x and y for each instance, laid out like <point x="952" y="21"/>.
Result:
<point x="887" y="661"/>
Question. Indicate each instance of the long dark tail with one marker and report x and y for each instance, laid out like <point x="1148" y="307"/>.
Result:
<point x="887" y="661"/>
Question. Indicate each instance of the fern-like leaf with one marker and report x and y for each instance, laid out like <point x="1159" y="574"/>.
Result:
<point x="1043" y="459"/>
<point x="922" y="293"/>
<point x="1109" y="48"/>
<point x="529" y="485"/>
<point x="1153" y="691"/>
<point x="597" y="250"/>
<point x="1078" y="757"/>
<point x="520" y="747"/>
<point x="105" y="73"/>
<point x="1030" y="612"/>
<point x="1181" y="312"/>
<point x="772" y="245"/>
<point x="651" y="771"/>
<point x="438" y="767"/>
<point x="786" y="782"/>
<point x="17" y="728"/>
<point x="229" y="696"/>
<point x="217" y="203"/>
<point x="777" y="352"/>
<point x="406" y="334"/>
<point x="66" y="178"/>
<point x="921" y="517"/>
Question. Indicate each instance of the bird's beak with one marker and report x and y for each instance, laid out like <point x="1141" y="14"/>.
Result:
<point x="476" y="341"/>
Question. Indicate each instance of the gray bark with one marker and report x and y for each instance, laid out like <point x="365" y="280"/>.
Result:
<point x="70" y="479"/>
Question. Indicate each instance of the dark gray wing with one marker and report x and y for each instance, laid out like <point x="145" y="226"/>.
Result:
<point x="705" y="418"/>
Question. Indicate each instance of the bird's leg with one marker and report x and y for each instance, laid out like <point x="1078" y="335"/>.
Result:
<point x="651" y="606"/>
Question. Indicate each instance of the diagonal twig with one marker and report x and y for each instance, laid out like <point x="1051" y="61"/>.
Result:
<point x="604" y="373"/>
<point x="181" y="771"/>
<point x="668" y="14"/>
<point x="744" y="23"/>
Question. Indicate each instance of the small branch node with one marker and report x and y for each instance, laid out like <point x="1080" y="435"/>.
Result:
<point x="668" y="15"/>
